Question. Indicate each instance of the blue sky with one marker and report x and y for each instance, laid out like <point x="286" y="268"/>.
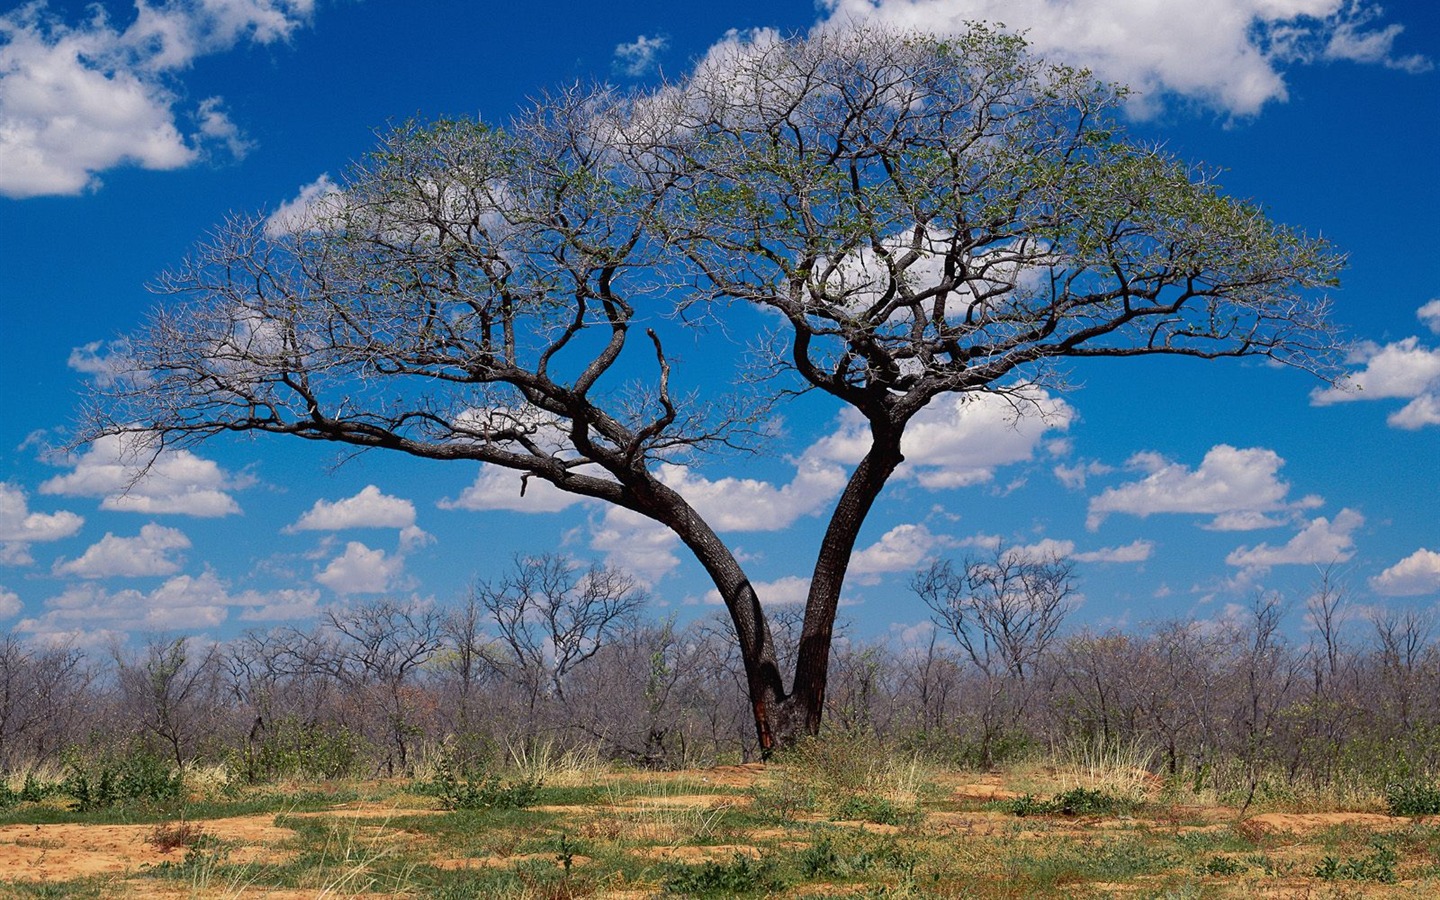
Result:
<point x="1180" y="488"/>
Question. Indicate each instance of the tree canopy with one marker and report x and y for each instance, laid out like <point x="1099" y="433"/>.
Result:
<point x="919" y="216"/>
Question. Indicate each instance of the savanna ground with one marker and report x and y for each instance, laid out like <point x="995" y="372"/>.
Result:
<point x="837" y="818"/>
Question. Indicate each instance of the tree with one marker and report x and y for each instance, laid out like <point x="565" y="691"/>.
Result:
<point x="551" y="617"/>
<point x="1003" y="610"/>
<point x="919" y="217"/>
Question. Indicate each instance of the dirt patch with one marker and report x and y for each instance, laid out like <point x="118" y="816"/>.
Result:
<point x="60" y="852"/>
<point x="1300" y="823"/>
<point x="684" y="801"/>
<point x="712" y="853"/>
<point x="504" y="862"/>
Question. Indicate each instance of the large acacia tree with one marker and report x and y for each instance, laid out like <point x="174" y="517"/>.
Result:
<point x="919" y="216"/>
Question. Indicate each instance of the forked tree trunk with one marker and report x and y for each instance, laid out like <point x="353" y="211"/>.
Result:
<point x="783" y="717"/>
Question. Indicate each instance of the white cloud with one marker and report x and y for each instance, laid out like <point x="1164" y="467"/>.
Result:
<point x="959" y="439"/>
<point x="278" y="606"/>
<point x="790" y="590"/>
<point x="1401" y="369"/>
<point x="640" y="546"/>
<point x="1418" y="573"/>
<point x="1134" y="552"/>
<point x="182" y="602"/>
<point x="19" y="527"/>
<point x="747" y="504"/>
<point x="1430" y="315"/>
<point x="10" y="604"/>
<point x="177" y="481"/>
<point x="1423" y="410"/>
<point x="216" y="125"/>
<point x="368" y="509"/>
<point x="498" y="488"/>
<point x="89" y="613"/>
<point x="105" y="362"/>
<point x="77" y="99"/>
<point x="901" y="549"/>
<point x="1404" y="369"/>
<point x="149" y="553"/>
<point x="304" y="211"/>
<point x="1048" y="548"/>
<point x="1237" y="486"/>
<point x="360" y="570"/>
<point x="1074" y="477"/>
<point x="1321" y="542"/>
<point x="1230" y="54"/>
<point x="640" y="55"/>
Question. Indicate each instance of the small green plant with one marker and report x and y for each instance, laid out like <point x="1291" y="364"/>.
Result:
<point x="1413" y="798"/>
<point x="742" y="875"/>
<point x="1074" y="802"/>
<point x="489" y="792"/>
<point x="1379" y="866"/>
<point x="875" y="809"/>
<point x="1220" y="866"/>
<point x="139" y="777"/>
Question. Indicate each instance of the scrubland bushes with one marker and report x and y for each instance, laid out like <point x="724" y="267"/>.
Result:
<point x="1235" y="709"/>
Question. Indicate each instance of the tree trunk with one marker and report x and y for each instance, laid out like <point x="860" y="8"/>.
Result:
<point x="812" y="666"/>
<point x="781" y="717"/>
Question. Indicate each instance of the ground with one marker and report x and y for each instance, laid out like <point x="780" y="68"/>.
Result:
<point x="813" y="830"/>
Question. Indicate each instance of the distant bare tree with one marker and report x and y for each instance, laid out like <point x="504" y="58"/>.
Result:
<point x="41" y="690"/>
<point x="177" y="692"/>
<point x="1404" y="643"/>
<point x="1004" y="609"/>
<point x="465" y="662"/>
<point x="551" y="616"/>
<point x="381" y="646"/>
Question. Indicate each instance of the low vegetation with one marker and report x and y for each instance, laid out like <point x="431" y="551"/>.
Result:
<point x="847" y="815"/>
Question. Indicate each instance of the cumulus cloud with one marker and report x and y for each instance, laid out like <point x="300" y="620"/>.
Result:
<point x="91" y="613"/>
<point x="1321" y="542"/>
<point x="790" y="590"/>
<point x="183" y="602"/>
<point x="149" y="553"/>
<point x="19" y="527"/>
<point x="106" y="362"/>
<point x="1430" y="315"/>
<point x="361" y="570"/>
<point x="277" y="606"/>
<point x="1074" y="477"/>
<point x="1418" y="573"/>
<point x="498" y="488"/>
<point x="1238" y="487"/>
<point x="368" y="509"/>
<point x="901" y="549"/>
<point x="640" y="55"/>
<point x="1050" y="548"/>
<point x="1133" y="552"/>
<point x="1229" y="54"/>
<point x="10" y="604"/>
<point x="959" y="439"/>
<point x="640" y="546"/>
<point x="302" y="212"/>
<point x="177" y="481"/>
<point x="1403" y="369"/>
<point x="79" y="98"/>
<point x="747" y="504"/>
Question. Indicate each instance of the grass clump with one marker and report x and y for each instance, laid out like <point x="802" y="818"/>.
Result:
<point x="1074" y="802"/>
<point x="846" y="775"/>
<point x="1378" y="866"/>
<point x="139" y="777"/>
<point x="1413" y="798"/>
<point x="742" y="875"/>
<point x="485" y="792"/>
